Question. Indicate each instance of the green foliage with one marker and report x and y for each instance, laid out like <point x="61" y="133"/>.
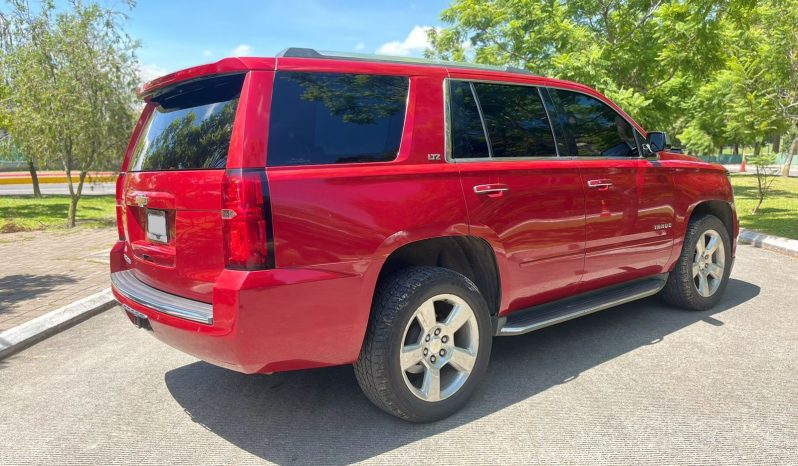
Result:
<point x="185" y="143"/>
<point x="71" y="73"/>
<point x="358" y="98"/>
<point x="711" y="72"/>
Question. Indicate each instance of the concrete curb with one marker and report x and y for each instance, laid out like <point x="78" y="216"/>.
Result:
<point x="24" y="335"/>
<point x="764" y="241"/>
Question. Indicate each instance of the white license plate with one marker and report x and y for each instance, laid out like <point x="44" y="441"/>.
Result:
<point x="156" y="226"/>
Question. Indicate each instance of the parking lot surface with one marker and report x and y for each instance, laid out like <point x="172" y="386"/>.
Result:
<point x="638" y="384"/>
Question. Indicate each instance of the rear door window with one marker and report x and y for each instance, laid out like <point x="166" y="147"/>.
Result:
<point x="468" y="133"/>
<point x="517" y="123"/>
<point x="331" y="118"/>
<point x="190" y="126"/>
<point x="594" y="128"/>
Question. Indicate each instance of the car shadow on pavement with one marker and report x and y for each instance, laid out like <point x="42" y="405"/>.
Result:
<point x="22" y="287"/>
<point x="321" y="415"/>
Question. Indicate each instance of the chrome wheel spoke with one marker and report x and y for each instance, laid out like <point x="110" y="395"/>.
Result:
<point x="431" y="387"/>
<point x="411" y="355"/>
<point x="462" y="360"/>
<point x="429" y="346"/>
<point x="703" y="284"/>
<point x="700" y="246"/>
<point x="457" y="318"/>
<point x="712" y="246"/>
<point x="426" y="316"/>
<point x="708" y="263"/>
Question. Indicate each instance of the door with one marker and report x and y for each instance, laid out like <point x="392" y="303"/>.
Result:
<point x="629" y="200"/>
<point x="520" y="197"/>
<point x="173" y="187"/>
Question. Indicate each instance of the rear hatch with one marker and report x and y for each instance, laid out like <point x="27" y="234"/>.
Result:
<point x="173" y="187"/>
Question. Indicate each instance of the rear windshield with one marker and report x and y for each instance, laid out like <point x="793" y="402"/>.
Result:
<point x="191" y="126"/>
<point x="330" y="118"/>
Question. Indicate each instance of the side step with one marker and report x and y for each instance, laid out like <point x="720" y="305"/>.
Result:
<point x="537" y="317"/>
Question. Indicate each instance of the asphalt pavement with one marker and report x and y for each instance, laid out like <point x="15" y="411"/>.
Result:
<point x="638" y="384"/>
<point x="91" y="189"/>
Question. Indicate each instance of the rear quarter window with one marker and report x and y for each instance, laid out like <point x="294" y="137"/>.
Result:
<point x="331" y="118"/>
<point x="190" y="126"/>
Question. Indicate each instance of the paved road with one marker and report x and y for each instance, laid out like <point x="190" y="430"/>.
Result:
<point x="639" y="384"/>
<point x="93" y="189"/>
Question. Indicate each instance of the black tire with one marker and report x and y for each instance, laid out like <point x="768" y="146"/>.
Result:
<point x="378" y="368"/>
<point x="681" y="290"/>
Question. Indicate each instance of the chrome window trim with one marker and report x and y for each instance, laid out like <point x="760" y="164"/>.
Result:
<point x="448" y="128"/>
<point x="402" y="142"/>
<point x="126" y="284"/>
<point x="551" y="122"/>
<point x="481" y="119"/>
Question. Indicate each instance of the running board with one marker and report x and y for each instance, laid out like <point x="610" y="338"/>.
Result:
<point x="537" y="317"/>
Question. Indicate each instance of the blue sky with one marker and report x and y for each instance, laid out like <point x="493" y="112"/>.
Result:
<point x="179" y="34"/>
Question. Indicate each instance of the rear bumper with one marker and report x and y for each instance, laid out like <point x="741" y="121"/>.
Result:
<point x="127" y="285"/>
<point x="259" y="321"/>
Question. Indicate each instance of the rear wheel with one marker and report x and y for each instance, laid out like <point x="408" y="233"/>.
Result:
<point x="702" y="270"/>
<point x="427" y="346"/>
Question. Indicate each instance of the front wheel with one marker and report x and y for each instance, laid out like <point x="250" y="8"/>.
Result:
<point x="427" y="345"/>
<point x="702" y="271"/>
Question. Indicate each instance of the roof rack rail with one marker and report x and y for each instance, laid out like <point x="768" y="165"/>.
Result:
<point x="301" y="52"/>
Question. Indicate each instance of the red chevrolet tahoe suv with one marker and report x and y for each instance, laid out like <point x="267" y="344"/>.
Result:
<point x="314" y="210"/>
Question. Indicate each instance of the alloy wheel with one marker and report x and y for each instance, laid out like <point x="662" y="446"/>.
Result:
<point x="709" y="263"/>
<point x="439" y="347"/>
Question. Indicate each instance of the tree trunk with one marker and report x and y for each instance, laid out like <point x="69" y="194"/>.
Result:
<point x="776" y="143"/>
<point x="34" y="178"/>
<point x="74" y="197"/>
<point x="736" y="150"/>
<point x="785" y="170"/>
<point x="760" y="183"/>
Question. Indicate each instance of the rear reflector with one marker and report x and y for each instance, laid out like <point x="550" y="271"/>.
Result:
<point x="120" y="214"/>
<point x="244" y="211"/>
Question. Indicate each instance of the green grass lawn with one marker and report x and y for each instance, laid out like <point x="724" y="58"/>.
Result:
<point x="778" y="215"/>
<point x="25" y="213"/>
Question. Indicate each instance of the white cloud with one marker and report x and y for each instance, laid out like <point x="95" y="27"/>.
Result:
<point x="360" y="46"/>
<point x="207" y="53"/>
<point x="243" y="50"/>
<point x="415" y="43"/>
<point x="149" y="72"/>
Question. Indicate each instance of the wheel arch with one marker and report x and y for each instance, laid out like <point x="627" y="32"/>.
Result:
<point x="718" y="208"/>
<point x="470" y="256"/>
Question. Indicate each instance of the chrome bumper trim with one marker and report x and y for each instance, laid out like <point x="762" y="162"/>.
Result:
<point x="126" y="283"/>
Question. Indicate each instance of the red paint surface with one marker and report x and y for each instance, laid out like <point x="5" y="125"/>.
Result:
<point x="334" y="226"/>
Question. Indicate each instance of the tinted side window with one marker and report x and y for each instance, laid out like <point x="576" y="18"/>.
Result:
<point x="517" y="123"/>
<point x="468" y="135"/>
<point x="190" y="127"/>
<point x="327" y="118"/>
<point x="596" y="129"/>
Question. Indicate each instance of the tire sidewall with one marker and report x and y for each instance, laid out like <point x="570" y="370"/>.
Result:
<point x="701" y="226"/>
<point x="446" y="283"/>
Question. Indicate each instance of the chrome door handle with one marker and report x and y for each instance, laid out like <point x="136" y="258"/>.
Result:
<point x="601" y="184"/>
<point x="491" y="190"/>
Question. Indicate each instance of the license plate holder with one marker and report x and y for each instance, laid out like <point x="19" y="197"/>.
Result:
<point x="157" y="229"/>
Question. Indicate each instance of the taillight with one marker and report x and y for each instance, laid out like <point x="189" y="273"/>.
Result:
<point x="120" y="227"/>
<point x="244" y="219"/>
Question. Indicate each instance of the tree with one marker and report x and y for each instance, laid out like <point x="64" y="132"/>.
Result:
<point x="72" y="73"/>
<point x="648" y="56"/>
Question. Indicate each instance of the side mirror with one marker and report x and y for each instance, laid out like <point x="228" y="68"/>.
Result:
<point x="658" y="141"/>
